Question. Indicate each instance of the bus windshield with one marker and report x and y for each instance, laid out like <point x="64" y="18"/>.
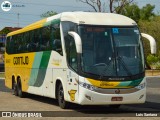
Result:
<point x="111" y="51"/>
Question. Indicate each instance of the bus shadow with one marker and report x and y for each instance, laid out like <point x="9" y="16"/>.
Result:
<point x="42" y="99"/>
<point x="104" y="109"/>
<point x="101" y="109"/>
<point x="87" y="109"/>
<point x="126" y="109"/>
<point x="153" y="106"/>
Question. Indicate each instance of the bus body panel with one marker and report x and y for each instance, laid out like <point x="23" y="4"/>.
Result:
<point x="18" y="65"/>
<point x="88" y="97"/>
<point x="54" y="68"/>
<point x="72" y="87"/>
<point x="105" y="99"/>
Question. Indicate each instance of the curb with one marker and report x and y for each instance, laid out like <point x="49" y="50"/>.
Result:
<point x="152" y="76"/>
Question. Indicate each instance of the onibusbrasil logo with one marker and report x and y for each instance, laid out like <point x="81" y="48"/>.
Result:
<point x="6" y="6"/>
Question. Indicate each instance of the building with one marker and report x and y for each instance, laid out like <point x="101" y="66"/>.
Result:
<point x="11" y="29"/>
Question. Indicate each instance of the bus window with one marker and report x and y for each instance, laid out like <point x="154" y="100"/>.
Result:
<point x="15" y="44"/>
<point x="23" y="47"/>
<point x="26" y="39"/>
<point x="31" y="45"/>
<point x="45" y="44"/>
<point x="71" y="53"/>
<point x="68" y="26"/>
<point x="36" y="39"/>
<point x="9" y="46"/>
<point x="56" y="38"/>
<point x="19" y="43"/>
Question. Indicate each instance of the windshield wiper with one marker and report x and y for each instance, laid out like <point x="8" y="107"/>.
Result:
<point x="106" y="67"/>
<point x="124" y="66"/>
<point x="122" y="62"/>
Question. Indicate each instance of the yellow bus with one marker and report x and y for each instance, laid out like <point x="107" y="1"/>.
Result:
<point x="78" y="57"/>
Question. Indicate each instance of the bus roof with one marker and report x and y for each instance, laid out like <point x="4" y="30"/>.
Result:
<point x="89" y="18"/>
<point x="95" y="18"/>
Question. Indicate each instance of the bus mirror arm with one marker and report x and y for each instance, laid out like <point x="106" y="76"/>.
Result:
<point x="152" y="42"/>
<point x="77" y="40"/>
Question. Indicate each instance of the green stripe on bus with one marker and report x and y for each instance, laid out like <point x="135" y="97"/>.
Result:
<point x="42" y="68"/>
<point x="35" y="68"/>
<point x="124" y="84"/>
<point x="136" y="82"/>
<point x="130" y="83"/>
<point x="57" y="21"/>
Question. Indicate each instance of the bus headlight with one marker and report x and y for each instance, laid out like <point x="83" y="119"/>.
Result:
<point x="141" y="86"/>
<point x="87" y="86"/>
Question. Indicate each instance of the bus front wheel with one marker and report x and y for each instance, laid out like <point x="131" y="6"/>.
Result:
<point x="61" y="101"/>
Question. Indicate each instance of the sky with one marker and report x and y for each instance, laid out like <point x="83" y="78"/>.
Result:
<point x="30" y="10"/>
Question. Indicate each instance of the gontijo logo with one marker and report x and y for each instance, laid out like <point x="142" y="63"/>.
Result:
<point x="6" y="6"/>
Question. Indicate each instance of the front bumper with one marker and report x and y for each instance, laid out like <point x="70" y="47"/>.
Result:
<point x="88" y="97"/>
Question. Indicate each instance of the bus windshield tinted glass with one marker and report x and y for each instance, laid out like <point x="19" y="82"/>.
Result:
<point x="109" y="51"/>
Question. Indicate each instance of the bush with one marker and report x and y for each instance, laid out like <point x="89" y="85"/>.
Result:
<point x="153" y="61"/>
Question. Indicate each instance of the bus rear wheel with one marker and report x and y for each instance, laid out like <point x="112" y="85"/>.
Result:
<point x="15" y="91"/>
<point x="19" y="88"/>
<point x="60" y="94"/>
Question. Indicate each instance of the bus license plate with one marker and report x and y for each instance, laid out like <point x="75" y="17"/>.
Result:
<point x="117" y="99"/>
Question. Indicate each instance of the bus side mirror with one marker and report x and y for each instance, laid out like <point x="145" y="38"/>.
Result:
<point x="152" y="42"/>
<point x="78" y="41"/>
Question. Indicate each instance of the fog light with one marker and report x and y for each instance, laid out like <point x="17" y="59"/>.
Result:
<point x="141" y="97"/>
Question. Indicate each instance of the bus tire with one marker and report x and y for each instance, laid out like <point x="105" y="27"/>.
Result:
<point x="19" y="89"/>
<point x="15" y="91"/>
<point x="60" y="94"/>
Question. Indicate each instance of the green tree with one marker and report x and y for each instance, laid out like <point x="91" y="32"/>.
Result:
<point x="151" y="28"/>
<point x="136" y="13"/>
<point x="146" y="12"/>
<point x="153" y="61"/>
<point x="48" y="14"/>
<point x="5" y="31"/>
<point x="132" y="11"/>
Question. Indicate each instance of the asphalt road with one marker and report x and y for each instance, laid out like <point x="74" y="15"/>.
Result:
<point x="9" y="102"/>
